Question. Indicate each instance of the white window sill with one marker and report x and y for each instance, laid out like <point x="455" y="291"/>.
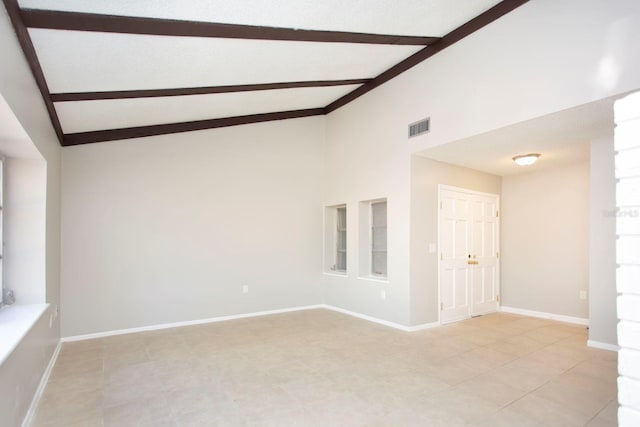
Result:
<point x="15" y="323"/>
<point x="335" y="273"/>
<point x="374" y="279"/>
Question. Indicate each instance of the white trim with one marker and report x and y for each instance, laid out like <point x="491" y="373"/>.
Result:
<point x="186" y="323"/>
<point x="394" y="325"/>
<point x="246" y="315"/>
<point x="464" y="190"/>
<point x="439" y="254"/>
<point x="421" y="327"/>
<point x="43" y="383"/>
<point x="377" y="279"/>
<point x="602" y="345"/>
<point x="54" y="357"/>
<point x="335" y="274"/>
<point x="382" y="322"/>
<point x="457" y="319"/>
<point x="543" y="315"/>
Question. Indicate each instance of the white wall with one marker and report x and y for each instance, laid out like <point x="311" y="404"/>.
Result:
<point x="426" y="175"/>
<point x="363" y="164"/>
<point x="505" y="73"/>
<point x="545" y="240"/>
<point x="170" y="228"/>
<point x="24" y="229"/>
<point x="511" y="71"/>
<point x="21" y="373"/>
<point x="602" y="243"/>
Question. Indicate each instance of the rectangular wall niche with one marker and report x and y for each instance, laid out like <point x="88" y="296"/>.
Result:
<point x="373" y="239"/>
<point x="335" y="239"/>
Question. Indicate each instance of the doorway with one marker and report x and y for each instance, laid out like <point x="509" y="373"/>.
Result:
<point x="468" y="239"/>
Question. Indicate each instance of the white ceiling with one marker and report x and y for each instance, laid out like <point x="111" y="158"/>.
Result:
<point x="401" y="17"/>
<point x="75" y="61"/>
<point x="561" y="138"/>
<point x="121" y="113"/>
<point x="88" y="61"/>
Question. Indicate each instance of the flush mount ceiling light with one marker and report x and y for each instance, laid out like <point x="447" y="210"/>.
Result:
<point x="526" y="159"/>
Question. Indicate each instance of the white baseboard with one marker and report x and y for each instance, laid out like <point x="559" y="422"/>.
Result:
<point x="513" y="310"/>
<point x="54" y="357"/>
<point x="186" y="323"/>
<point x="247" y="315"/>
<point x="543" y="315"/>
<point x="380" y="321"/>
<point x="602" y="345"/>
<point x="43" y="383"/>
<point x="421" y="327"/>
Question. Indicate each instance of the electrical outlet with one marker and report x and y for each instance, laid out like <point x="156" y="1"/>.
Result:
<point x="56" y="312"/>
<point x="583" y="294"/>
<point x="245" y="289"/>
<point x="383" y="294"/>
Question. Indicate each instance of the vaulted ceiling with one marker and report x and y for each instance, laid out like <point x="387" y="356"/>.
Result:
<point x="124" y="69"/>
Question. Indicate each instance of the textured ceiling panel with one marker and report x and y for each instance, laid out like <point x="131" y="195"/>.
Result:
<point x="401" y="17"/>
<point x="156" y="64"/>
<point x="75" y="61"/>
<point x="82" y="116"/>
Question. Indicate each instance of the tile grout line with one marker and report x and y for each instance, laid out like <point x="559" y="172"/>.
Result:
<point x="549" y="381"/>
<point x="461" y="335"/>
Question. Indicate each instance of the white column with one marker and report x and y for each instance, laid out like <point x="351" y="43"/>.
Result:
<point x="603" y="319"/>
<point x="627" y="146"/>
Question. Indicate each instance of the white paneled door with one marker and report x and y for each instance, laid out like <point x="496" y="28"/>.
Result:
<point x="469" y="245"/>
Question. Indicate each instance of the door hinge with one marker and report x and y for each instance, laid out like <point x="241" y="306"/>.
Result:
<point x="497" y="214"/>
<point x="441" y="256"/>
<point x="441" y="306"/>
<point x="498" y="298"/>
<point x="440" y="205"/>
<point x="497" y="254"/>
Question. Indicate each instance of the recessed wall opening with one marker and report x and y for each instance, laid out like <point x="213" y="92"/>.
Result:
<point x="335" y="239"/>
<point x="373" y="239"/>
<point x="24" y="195"/>
<point x="556" y="253"/>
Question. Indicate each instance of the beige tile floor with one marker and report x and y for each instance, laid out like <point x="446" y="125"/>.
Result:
<point x="321" y="368"/>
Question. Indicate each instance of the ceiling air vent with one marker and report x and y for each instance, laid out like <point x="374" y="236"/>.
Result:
<point x="418" y="128"/>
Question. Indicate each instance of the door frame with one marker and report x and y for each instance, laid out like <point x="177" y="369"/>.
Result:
<point x="498" y="265"/>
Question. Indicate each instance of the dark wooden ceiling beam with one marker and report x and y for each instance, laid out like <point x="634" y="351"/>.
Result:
<point x="58" y="20"/>
<point x="169" y="128"/>
<point x="22" y="19"/>
<point x="454" y="36"/>
<point x="13" y="10"/>
<point x="154" y="93"/>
